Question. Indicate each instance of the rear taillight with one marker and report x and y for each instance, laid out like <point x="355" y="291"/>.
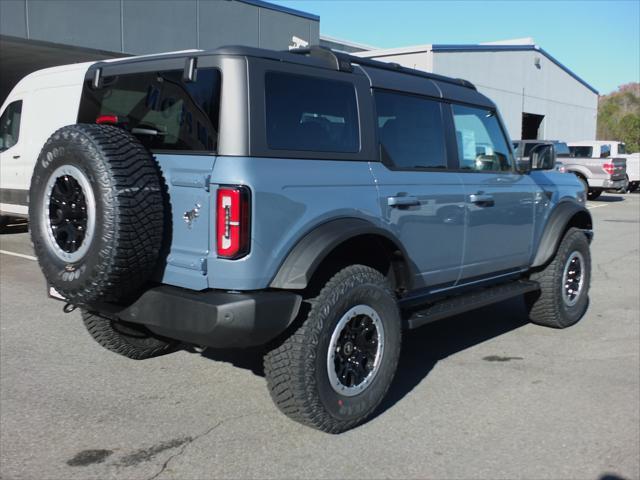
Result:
<point x="608" y="167"/>
<point x="233" y="222"/>
<point x="107" y="120"/>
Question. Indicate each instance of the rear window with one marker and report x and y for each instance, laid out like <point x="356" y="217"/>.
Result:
<point x="162" y="110"/>
<point x="310" y="114"/>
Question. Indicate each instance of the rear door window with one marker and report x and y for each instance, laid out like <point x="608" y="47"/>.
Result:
<point x="307" y="113"/>
<point x="160" y="108"/>
<point x="410" y="130"/>
<point x="482" y="144"/>
<point x="10" y="125"/>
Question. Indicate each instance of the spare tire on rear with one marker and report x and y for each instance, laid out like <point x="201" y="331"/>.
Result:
<point x="96" y="213"/>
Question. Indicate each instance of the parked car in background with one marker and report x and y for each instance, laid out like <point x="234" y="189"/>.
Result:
<point x="598" y="174"/>
<point x="609" y="149"/>
<point x="597" y="148"/>
<point x="633" y="171"/>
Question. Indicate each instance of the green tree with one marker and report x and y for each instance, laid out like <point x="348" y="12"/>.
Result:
<point x="619" y="116"/>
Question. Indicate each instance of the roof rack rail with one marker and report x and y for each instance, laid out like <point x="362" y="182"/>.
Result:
<point x="368" y="62"/>
<point x="334" y="60"/>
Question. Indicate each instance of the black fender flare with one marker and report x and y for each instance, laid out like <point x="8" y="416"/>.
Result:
<point x="557" y="224"/>
<point x="305" y="257"/>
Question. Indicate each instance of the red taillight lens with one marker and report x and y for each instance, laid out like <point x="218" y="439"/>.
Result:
<point x="232" y="232"/>
<point x="107" y="120"/>
<point x="608" y="167"/>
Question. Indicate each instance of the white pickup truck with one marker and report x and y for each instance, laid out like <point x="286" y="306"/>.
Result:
<point x="610" y="149"/>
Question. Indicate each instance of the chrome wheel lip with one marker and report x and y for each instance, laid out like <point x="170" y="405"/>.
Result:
<point x="335" y="382"/>
<point x="573" y="272"/>
<point x="80" y="177"/>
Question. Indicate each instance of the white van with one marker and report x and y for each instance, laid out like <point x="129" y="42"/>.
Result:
<point x="40" y="103"/>
<point x="56" y="93"/>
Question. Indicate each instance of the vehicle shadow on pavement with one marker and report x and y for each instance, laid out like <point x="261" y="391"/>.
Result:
<point x="608" y="199"/>
<point x="16" y="226"/>
<point x="247" y="358"/>
<point x="422" y="349"/>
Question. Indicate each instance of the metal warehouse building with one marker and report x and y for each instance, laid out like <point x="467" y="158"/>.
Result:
<point x="537" y="95"/>
<point x="36" y="34"/>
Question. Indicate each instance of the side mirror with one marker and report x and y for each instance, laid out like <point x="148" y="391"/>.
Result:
<point x="543" y="157"/>
<point x="523" y="165"/>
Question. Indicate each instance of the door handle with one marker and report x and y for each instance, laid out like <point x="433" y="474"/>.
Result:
<point x="402" y="201"/>
<point x="482" y="199"/>
<point x="15" y="157"/>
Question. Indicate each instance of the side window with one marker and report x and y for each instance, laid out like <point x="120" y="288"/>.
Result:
<point x="162" y="110"/>
<point x="481" y="142"/>
<point x="410" y="130"/>
<point x="581" y="152"/>
<point x="605" y="151"/>
<point x="10" y="125"/>
<point x="307" y="113"/>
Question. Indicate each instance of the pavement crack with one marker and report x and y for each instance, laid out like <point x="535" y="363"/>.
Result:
<point x="183" y="448"/>
<point x="190" y="440"/>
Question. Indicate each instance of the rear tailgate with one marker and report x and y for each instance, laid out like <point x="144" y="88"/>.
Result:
<point x="619" y="168"/>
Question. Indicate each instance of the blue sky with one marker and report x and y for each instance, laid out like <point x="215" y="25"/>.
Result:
<point x="597" y="40"/>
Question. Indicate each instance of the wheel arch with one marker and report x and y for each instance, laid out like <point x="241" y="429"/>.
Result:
<point x="566" y="215"/>
<point x="326" y="248"/>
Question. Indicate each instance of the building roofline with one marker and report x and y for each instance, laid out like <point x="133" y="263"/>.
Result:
<point x="348" y="43"/>
<point x="283" y="9"/>
<point x="474" y="48"/>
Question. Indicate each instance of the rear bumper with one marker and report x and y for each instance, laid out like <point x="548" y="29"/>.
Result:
<point x="614" y="184"/>
<point x="213" y="318"/>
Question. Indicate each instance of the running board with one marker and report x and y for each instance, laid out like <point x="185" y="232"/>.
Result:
<point x="470" y="301"/>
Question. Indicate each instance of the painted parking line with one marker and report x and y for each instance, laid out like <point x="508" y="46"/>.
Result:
<point x="591" y="207"/>
<point x="21" y="255"/>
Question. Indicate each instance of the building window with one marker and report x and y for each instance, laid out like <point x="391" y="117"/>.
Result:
<point x="481" y="141"/>
<point x="310" y="114"/>
<point x="410" y="130"/>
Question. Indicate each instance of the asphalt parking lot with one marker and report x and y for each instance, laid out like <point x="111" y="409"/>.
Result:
<point x="482" y="395"/>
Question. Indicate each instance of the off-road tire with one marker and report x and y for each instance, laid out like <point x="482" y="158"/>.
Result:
<point x="547" y="307"/>
<point x="296" y="370"/>
<point x="127" y="339"/>
<point x="127" y="186"/>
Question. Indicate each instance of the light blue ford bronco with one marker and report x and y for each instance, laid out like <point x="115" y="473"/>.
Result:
<point x="310" y="202"/>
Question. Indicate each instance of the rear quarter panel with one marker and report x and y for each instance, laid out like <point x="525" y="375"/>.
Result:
<point x="289" y="198"/>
